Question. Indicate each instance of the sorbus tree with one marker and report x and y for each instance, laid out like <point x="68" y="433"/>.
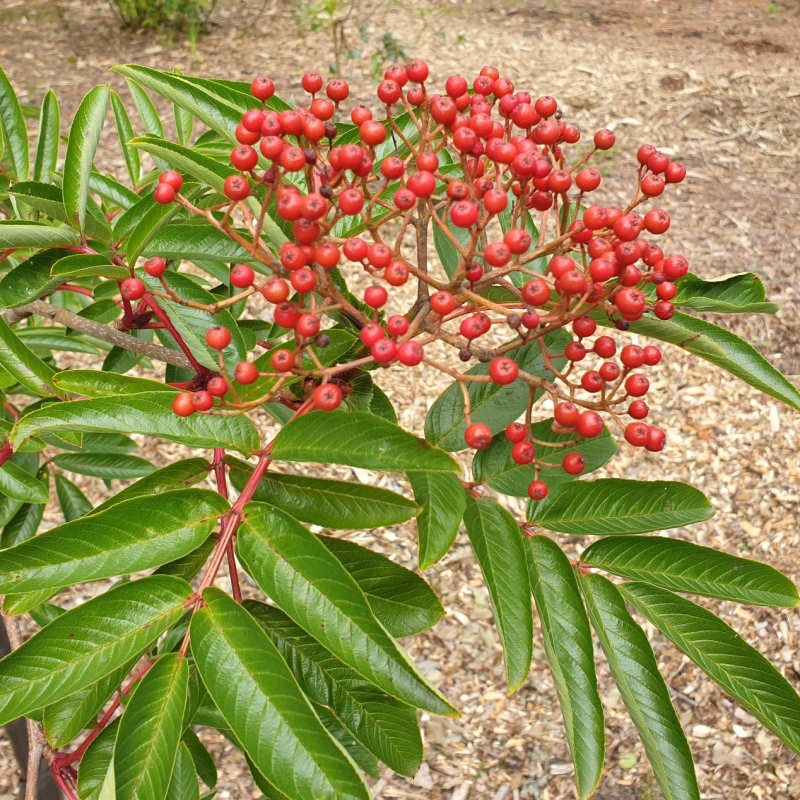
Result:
<point x="527" y="311"/>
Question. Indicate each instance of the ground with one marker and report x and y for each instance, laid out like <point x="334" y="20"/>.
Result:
<point x="713" y="83"/>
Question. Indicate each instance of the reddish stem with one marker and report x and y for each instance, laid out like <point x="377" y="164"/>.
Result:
<point x="6" y="451"/>
<point x="222" y="487"/>
<point x="167" y="322"/>
<point x="69" y="287"/>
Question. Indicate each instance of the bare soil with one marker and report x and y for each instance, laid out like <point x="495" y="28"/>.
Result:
<point x="714" y="83"/>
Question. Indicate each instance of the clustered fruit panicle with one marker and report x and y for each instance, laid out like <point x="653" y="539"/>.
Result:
<point x="506" y="185"/>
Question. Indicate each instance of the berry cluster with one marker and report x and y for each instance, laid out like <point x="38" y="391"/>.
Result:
<point x="524" y="255"/>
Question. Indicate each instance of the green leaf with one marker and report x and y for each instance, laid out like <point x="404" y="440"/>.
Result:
<point x="125" y="132"/>
<point x="150" y="730"/>
<point x="385" y="726"/>
<point x="112" y="191"/>
<point x="15" y="482"/>
<point x="615" y="505"/>
<point x="30" y="279"/>
<point x="192" y="323"/>
<point x="24" y="524"/>
<point x="96" y="768"/>
<point x="203" y="762"/>
<point x="85" y="265"/>
<point x="109" y="466"/>
<point x="64" y="720"/>
<point x="189" y="565"/>
<point x="49" y="199"/>
<point x="141" y="222"/>
<point x="146" y="412"/>
<point x="47" y="141"/>
<point x="194" y="242"/>
<point x="568" y="645"/>
<point x="184" y="122"/>
<point x="20" y="233"/>
<point x="490" y="403"/>
<point x="496" y="467"/>
<point x="97" y="383"/>
<point x="359" y="440"/>
<point x="496" y="540"/>
<point x="722" y="348"/>
<point x="74" y="503"/>
<point x="84" y="135"/>
<point x="724" y="656"/>
<point x="88" y="642"/>
<point x="443" y="503"/>
<point x="332" y="504"/>
<point x="401" y="600"/>
<point x="129" y="537"/>
<point x="643" y="690"/>
<point x="362" y="757"/>
<point x="183" y="785"/>
<point x="448" y="253"/>
<point x="257" y="694"/>
<point x="186" y="160"/>
<point x="215" y="112"/>
<point x="309" y="583"/>
<point x="21" y="362"/>
<point x="13" y="131"/>
<point x="729" y="294"/>
<point x="147" y="111"/>
<point x="178" y="475"/>
<point x="686" y="567"/>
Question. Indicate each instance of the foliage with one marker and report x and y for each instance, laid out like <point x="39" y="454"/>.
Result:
<point x="165" y="15"/>
<point x="136" y="308"/>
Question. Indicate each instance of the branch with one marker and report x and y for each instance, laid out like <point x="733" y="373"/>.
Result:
<point x="106" y="333"/>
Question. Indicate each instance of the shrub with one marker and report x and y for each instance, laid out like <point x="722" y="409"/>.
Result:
<point x="460" y="236"/>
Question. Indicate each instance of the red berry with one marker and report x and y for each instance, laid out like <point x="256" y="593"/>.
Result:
<point x="604" y="139"/>
<point x="155" y="266"/>
<point x="663" y="309"/>
<point x="327" y="396"/>
<point x="575" y="351"/>
<point x="303" y="280"/>
<point x="536" y="292"/>
<point x="652" y="355"/>
<point x="275" y="290"/>
<point x="638" y="409"/>
<point x="590" y="424"/>
<point x="464" y="213"/>
<point x="396" y="325"/>
<point x="443" y="302"/>
<point x="656" y="439"/>
<point x="588" y="179"/>
<point x="537" y="490"/>
<point x="242" y="276"/>
<point x="217" y="386"/>
<point x="307" y="325"/>
<point x="218" y="337"/>
<point x="636" y="433"/>
<point x="371" y="333"/>
<point x="605" y="346"/>
<point x="584" y="326"/>
<point x="396" y="274"/>
<point x="632" y="356"/>
<point x="573" y="463"/>
<point x="478" y="436"/>
<point x="202" y="400"/>
<point x="566" y="414"/>
<point x="337" y="90"/>
<point x="132" y="289"/>
<point x="244" y="157"/>
<point x="518" y="240"/>
<point x="286" y="315"/>
<point x="475" y="325"/>
<point x="262" y="88"/>
<point x="523" y="452"/>
<point x="164" y="193"/>
<point x="384" y="350"/>
<point x="312" y="82"/>
<point x="609" y="371"/>
<point x="636" y="384"/>
<point x="282" y="360"/>
<point x="503" y="370"/>
<point x="410" y="353"/>
<point x="592" y="381"/>
<point x="516" y="432"/>
<point x="245" y="372"/>
<point x="375" y="296"/>
<point x="235" y="187"/>
<point x="183" y="404"/>
<point x="171" y="177"/>
<point x="630" y="302"/>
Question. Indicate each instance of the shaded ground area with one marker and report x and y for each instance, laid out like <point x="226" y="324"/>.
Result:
<point x="713" y="83"/>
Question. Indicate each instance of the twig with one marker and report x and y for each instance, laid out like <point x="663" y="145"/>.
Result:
<point x="106" y="333"/>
